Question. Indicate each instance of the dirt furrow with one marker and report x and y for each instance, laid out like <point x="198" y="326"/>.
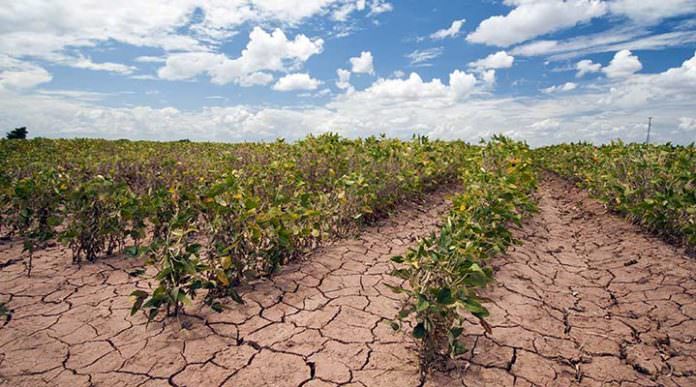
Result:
<point x="589" y="300"/>
<point x="320" y="322"/>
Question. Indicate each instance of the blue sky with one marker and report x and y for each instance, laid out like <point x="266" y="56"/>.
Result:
<point x="545" y="71"/>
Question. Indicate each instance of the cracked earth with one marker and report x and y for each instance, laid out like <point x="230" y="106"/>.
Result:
<point x="586" y="300"/>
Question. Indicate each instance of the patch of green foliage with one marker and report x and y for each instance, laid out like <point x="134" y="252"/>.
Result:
<point x="210" y="216"/>
<point x="653" y="185"/>
<point x="5" y="313"/>
<point x="444" y="272"/>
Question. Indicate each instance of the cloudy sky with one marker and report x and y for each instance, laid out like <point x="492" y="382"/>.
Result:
<point x="545" y="71"/>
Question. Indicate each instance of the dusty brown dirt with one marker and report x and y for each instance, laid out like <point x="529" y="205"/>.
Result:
<point x="587" y="300"/>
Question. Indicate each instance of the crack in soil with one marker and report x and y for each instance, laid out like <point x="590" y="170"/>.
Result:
<point x="619" y="324"/>
<point x="587" y="299"/>
<point x="321" y="321"/>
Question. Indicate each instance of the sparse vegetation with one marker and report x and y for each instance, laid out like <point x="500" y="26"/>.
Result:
<point x="251" y="207"/>
<point x="444" y="272"/>
<point x="653" y="185"/>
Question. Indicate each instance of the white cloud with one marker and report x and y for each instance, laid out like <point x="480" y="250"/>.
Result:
<point x="450" y="32"/>
<point x="586" y="66"/>
<point x="603" y="110"/>
<point x="411" y="88"/>
<point x="363" y="63"/>
<point x="297" y="81"/>
<point x="488" y="77"/>
<point x="398" y="74"/>
<point x="390" y="91"/>
<point x="54" y="30"/>
<point x="652" y="11"/>
<point x="36" y="27"/>
<point x="461" y="83"/>
<point x="499" y="60"/>
<point x="623" y="65"/>
<point x="265" y="51"/>
<point x="419" y="57"/>
<point x="547" y="124"/>
<point x="380" y="6"/>
<point x="687" y="123"/>
<point x="16" y="74"/>
<point x="150" y="59"/>
<point x="257" y="78"/>
<point x="532" y="18"/>
<point x="87" y="63"/>
<point x="678" y="78"/>
<point x="568" y="86"/>
<point x="343" y="79"/>
<point x="629" y="37"/>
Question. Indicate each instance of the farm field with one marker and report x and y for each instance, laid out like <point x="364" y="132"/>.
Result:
<point x="347" y="262"/>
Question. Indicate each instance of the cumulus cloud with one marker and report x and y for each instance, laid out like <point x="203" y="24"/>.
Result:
<point x="532" y="18"/>
<point x="411" y="88"/>
<point x="568" y="86"/>
<point x="16" y="74"/>
<point x="363" y="63"/>
<point x="499" y="60"/>
<point x="451" y="32"/>
<point x="264" y="52"/>
<point x="488" y="77"/>
<point x="586" y="66"/>
<point x="388" y="91"/>
<point x="461" y="83"/>
<point x="297" y="81"/>
<point x="57" y="32"/>
<point x="399" y="107"/>
<point x="623" y="64"/>
<point x="343" y="79"/>
<point x="652" y="11"/>
<point x="25" y="28"/>
<point x="253" y="79"/>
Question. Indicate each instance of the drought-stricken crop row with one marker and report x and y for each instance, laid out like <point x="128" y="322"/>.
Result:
<point x="653" y="185"/>
<point x="444" y="272"/>
<point x="208" y="216"/>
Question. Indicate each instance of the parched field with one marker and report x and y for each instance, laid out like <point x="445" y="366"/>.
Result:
<point x="392" y="270"/>
<point x="321" y="319"/>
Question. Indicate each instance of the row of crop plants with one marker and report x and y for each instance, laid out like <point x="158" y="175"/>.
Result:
<point x="208" y="216"/>
<point x="444" y="273"/>
<point x="653" y="185"/>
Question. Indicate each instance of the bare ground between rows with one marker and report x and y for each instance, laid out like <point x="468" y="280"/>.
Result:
<point x="321" y="321"/>
<point x="587" y="299"/>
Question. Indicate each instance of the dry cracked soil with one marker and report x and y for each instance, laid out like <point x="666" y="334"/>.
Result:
<point x="587" y="299"/>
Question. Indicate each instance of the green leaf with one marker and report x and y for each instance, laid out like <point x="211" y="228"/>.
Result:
<point x="132" y="251"/>
<point x="444" y="296"/>
<point x="419" y="331"/>
<point x="422" y="304"/>
<point x="234" y="296"/>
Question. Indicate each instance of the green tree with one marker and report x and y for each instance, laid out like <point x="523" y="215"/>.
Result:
<point x="18" y="134"/>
